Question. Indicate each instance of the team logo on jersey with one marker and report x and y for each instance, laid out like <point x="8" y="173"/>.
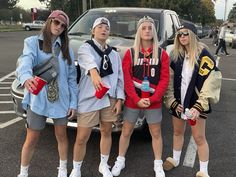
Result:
<point x="206" y="66"/>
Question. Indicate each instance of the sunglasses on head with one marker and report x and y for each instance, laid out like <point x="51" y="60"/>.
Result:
<point x="57" y="23"/>
<point x="180" y="34"/>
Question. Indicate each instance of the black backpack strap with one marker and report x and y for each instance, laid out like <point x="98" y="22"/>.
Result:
<point x="132" y="55"/>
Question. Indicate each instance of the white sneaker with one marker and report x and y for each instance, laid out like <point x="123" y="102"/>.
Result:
<point x="159" y="170"/>
<point x="104" y="170"/>
<point x="119" y="165"/>
<point x="75" y="173"/>
<point x="22" y="175"/>
<point x="62" y="172"/>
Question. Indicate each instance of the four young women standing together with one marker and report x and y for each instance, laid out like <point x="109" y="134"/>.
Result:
<point x="193" y="78"/>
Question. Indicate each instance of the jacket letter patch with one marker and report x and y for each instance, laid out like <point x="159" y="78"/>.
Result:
<point x="206" y="66"/>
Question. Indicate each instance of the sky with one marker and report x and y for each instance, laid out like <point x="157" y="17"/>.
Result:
<point x="219" y="6"/>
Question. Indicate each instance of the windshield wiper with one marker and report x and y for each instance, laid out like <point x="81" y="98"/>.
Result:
<point x="77" y="33"/>
<point x="120" y="35"/>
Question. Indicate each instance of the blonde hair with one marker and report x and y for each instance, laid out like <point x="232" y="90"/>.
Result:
<point x="195" y="48"/>
<point x="137" y="44"/>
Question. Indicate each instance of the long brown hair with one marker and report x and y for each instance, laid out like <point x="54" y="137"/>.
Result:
<point x="47" y="41"/>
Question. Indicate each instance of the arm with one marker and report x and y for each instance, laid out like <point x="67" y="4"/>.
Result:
<point x="128" y="82"/>
<point x="87" y="62"/>
<point x="210" y="92"/>
<point x="164" y="79"/>
<point x="73" y="89"/>
<point x="26" y="60"/>
<point x="120" y="84"/>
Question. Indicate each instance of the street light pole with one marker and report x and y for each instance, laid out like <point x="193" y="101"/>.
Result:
<point x="225" y="9"/>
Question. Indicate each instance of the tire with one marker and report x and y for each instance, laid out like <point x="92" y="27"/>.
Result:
<point x="27" y="28"/>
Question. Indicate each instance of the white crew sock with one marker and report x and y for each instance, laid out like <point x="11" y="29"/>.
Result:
<point x="158" y="162"/>
<point x="121" y="158"/>
<point x="24" y="170"/>
<point x="63" y="164"/>
<point x="77" y="165"/>
<point x="176" y="156"/>
<point x="104" y="158"/>
<point x="204" y="166"/>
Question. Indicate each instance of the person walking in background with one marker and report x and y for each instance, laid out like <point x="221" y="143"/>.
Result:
<point x="100" y="67"/>
<point x="195" y="83"/>
<point x="215" y="32"/>
<point x="58" y="99"/>
<point x="222" y="43"/>
<point x="146" y="75"/>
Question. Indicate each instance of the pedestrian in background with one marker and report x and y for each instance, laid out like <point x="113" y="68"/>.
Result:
<point x="100" y="66"/>
<point x="215" y="32"/>
<point x="145" y="61"/>
<point x="222" y="44"/>
<point x="195" y="83"/>
<point x="56" y="100"/>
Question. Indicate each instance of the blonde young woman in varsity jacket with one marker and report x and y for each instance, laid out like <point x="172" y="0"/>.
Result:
<point x="195" y="82"/>
<point x="145" y="59"/>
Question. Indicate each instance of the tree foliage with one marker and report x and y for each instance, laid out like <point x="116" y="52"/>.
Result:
<point x="232" y="14"/>
<point x="8" y="4"/>
<point x="198" y="11"/>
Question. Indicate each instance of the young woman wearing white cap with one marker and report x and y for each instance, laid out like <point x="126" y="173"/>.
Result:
<point x="100" y="65"/>
<point x="146" y="60"/>
<point x="58" y="98"/>
<point x="195" y="83"/>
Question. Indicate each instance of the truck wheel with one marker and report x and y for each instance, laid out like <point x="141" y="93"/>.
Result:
<point x="27" y="28"/>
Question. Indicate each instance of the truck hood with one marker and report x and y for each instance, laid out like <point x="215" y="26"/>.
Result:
<point x="120" y="43"/>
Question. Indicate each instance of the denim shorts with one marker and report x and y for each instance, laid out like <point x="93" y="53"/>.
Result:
<point x="152" y="115"/>
<point x="37" y="122"/>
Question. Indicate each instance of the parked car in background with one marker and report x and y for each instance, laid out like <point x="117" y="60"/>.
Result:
<point x="123" y="29"/>
<point x="35" y="25"/>
<point x="230" y="37"/>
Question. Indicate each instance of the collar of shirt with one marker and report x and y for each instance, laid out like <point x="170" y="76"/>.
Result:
<point x="146" y="52"/>
<point x="99" y="45"/>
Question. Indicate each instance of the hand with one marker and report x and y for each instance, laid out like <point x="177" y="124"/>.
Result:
<point x="180" y="108"/>
<point x="71" y="113"/>
<point x="117" y="108"/>
<point x="31" y="84"/>
<point x="195" y="113"/>
<point x="96" y="79"/>
<point x="144" y="103"/>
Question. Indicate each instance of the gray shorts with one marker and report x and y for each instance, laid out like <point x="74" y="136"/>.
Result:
<point x="152" y="115"/>
<point x="37" y="122"/>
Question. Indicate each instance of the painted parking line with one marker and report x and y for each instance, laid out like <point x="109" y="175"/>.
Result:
<point x="10" y="122"/>
<point x="6" y="102"/>
<point x="7" y="112"/>
<point x="7" y="76"/>
<point x="190" y="155"/>
<point x="4" y="88"/>
<point x="5" y="82"/>
<point x="7" y="94"/>
<point x="228" y="79"/>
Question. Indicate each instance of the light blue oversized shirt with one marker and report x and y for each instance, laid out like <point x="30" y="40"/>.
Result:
<point x="68" y="90"/>
<point x="88" y="58"/>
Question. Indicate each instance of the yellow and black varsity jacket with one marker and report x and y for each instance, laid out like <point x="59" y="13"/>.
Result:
<point x="204" y="87"/>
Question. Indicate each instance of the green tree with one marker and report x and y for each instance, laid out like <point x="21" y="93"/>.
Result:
<point x="232" y="14"/>
<point x="8" y="4"/>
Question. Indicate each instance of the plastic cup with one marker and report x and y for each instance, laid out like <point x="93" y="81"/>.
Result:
<point x="41" y="84"/>
<point x="100" y="93"/>
<point x="191" y="122"/>
<point x="145" y="94"/>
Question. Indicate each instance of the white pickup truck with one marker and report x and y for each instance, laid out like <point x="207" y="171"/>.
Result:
<point x="37" y="24"/>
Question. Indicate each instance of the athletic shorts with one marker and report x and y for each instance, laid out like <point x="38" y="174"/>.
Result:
<point x="152" y="115"/>
<point x="93" y="118"/>
<point x="37" y="122"/>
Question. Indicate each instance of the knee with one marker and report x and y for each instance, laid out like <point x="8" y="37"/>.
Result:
<point x="61" y="137"/>
<point x="156" y="134"/>
<point x="106" y="131"/>
<point x="200" y="140"/>
<point x="178" y="133"/>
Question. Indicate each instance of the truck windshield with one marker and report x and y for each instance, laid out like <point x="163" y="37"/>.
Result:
<point x="123" y="23"/>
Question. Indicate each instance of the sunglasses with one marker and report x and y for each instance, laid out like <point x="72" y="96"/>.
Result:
<point x="180" y="34"/>
<point x="57" y="23"/>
